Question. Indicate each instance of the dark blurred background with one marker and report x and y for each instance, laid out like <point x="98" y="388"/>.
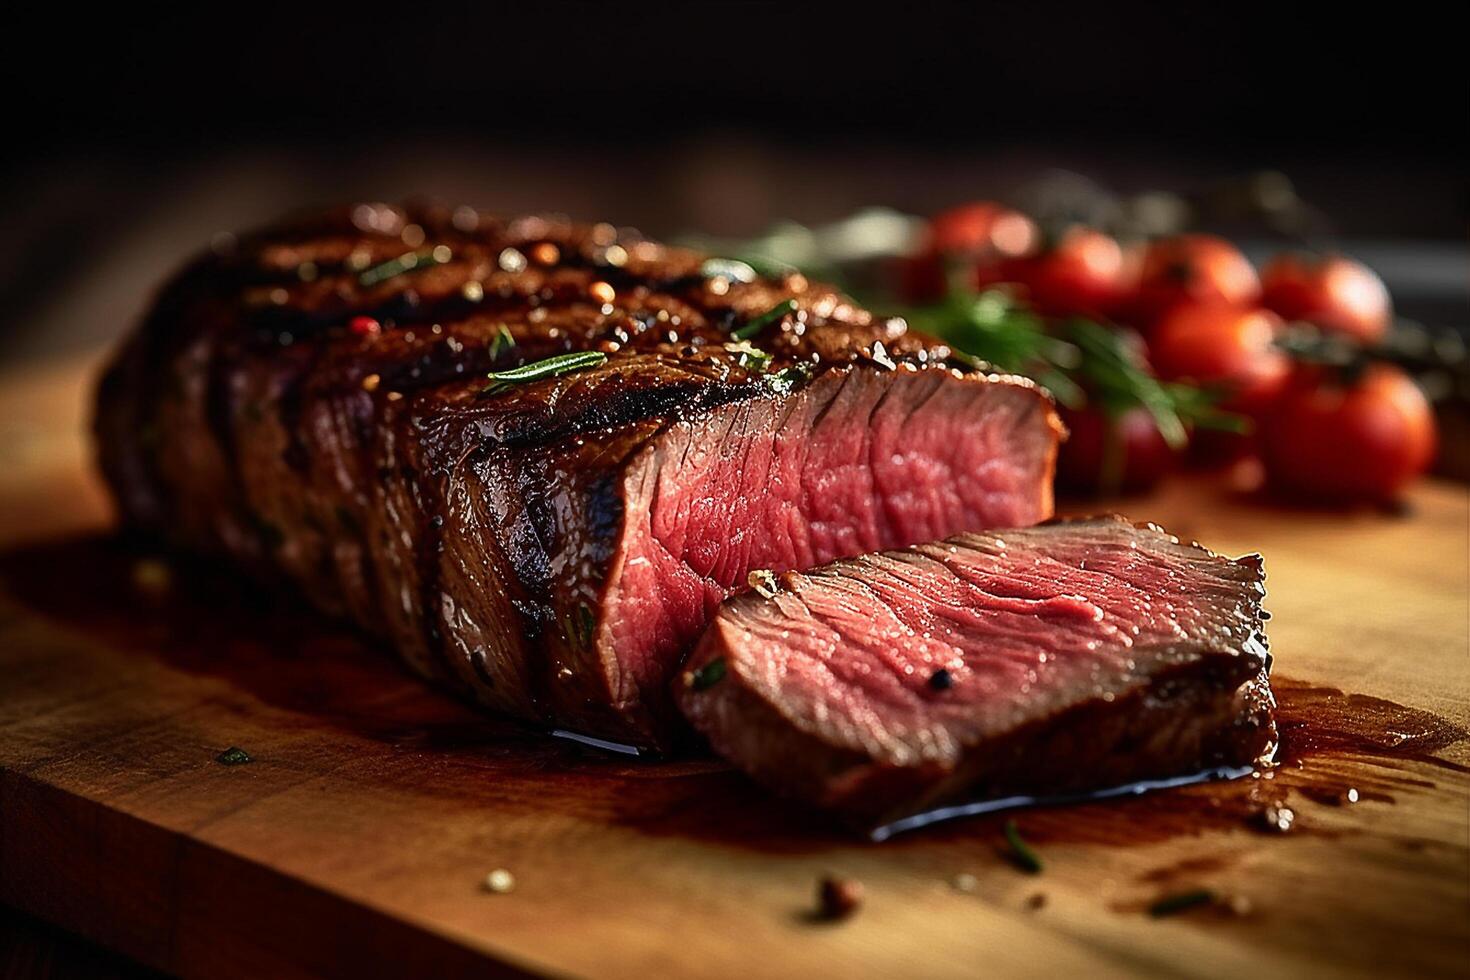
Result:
<point x="137" y="133"/>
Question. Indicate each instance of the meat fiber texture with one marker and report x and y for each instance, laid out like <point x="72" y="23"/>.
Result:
<point x="312" y="402"/>
<point x="1061" y="659"/>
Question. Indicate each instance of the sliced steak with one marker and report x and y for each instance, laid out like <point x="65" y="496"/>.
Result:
<point x="312" y="402"/>
<point x="1051" y="660"/>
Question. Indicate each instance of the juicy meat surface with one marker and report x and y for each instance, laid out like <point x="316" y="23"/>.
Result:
<point x="312" y="401"/>
<point x="1057" y="659"/>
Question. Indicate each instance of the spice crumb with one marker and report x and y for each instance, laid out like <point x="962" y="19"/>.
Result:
<point x="838" y="898"/>
<point x="763" y="580"/>
<point x="1278" y="819"/>
<point x="963" y="882"/>
<point x="1036" y="901"/>
<point x="233" y="756"/>
<point x="500" y="881"/>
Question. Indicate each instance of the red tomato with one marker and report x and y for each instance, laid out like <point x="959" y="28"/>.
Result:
<point x="969" y="233"/>
<point x="1337" y="441"/>
<point x="1191" y="268"/>
<point x="1084" y="273"/>
<point x="1333" y="292"/>
<point x="1084" y="465"/>
<point x="1225" y="347"/>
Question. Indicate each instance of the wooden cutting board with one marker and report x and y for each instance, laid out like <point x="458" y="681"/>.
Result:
<point x="358" y="840"/>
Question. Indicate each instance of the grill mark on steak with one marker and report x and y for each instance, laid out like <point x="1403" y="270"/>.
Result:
<point x="1077" y="656"/>
<point x="486" y="537"/>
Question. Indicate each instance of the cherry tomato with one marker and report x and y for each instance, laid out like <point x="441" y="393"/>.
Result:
<point x="1191" y="269"/>
<point x="1083" y="273"/>
<point x="1337" y="440"/>
<point x="1226" y="347"/>
<point x="1333" y="292"/>
<point x="968" y="234"/>
<point x="1105" y="455"/>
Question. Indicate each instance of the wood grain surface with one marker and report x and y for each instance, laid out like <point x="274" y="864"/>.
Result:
<point x="358" y="840"/>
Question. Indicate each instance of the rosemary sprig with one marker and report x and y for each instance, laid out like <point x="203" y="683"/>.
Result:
<point x="1174" y="904"/>
<point x="1020" y="852"/>
<point x="1114" y="374"/>
<point x="407" y="262"/>
<point x="755" y="326"/>
<point x="991" y="331"/>
<point x="548" y="367"/>
<point x="1439" y="359"/>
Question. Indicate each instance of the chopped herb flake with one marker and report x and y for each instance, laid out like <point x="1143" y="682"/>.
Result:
<point x="767" y="318"/>
<point x="788" y="378"/>
<point x="1174" y="904"/>
<point x="580" y="626"/>
<point x="707" y="676"/>
<point x="748" y="356"/>
<point x="1020" y="852"/>
<point x="233" y="756"/>
<point x="503" y="340"/>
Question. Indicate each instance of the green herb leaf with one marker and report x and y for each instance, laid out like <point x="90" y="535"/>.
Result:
<point x="708" y="676"/>
<point x="755" y="326"/>
<point x="233" y="756"/>
<point x="1173" y="904"/>
<point x="1020" y="852"/>
<point x="407" y="262"/>
<point x="548" y="367"/>
<point x="748" y="356"/>
<point x="580" y="627"/>
<point x="1001" y="335"/>
<point x="787" y="379"/>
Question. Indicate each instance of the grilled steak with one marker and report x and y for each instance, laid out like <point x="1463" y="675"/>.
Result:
<point x="1063" y="658"/>
<point x="313" y="401"/>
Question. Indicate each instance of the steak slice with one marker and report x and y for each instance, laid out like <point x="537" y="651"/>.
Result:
<point x="1052" y="660"/>
<point x="312" y="402"/>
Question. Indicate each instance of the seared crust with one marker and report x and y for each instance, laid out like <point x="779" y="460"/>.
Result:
<point x="298" y="402"/>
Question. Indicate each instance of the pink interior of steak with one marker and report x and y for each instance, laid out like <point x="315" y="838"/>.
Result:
<point x="1025" y="624"/>
<point x="859" y="460"/>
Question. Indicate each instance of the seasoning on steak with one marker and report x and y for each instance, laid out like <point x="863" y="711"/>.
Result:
<point x="313" y="401"/>
<point x="1052" y="660"/>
